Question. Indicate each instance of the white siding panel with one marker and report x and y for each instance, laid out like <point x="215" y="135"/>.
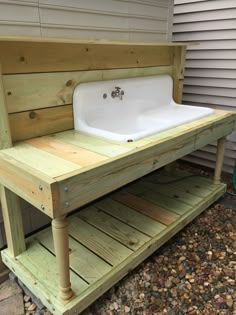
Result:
<point x="210" y="74"/>
<point x="205" y="16"/>
<point x="213" y="82"/>
<point x="206" y="26"/>
<point x="212" y="54"/>
<point x="204" y="6"/>
<point x="214" y="73"/>
<point x="206" y="35"/>
<point x="209" y="99"/>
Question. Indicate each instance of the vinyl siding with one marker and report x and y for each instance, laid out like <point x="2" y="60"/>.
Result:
<point x="210" y="74"/>
<point x="140" y="20"/>
<point x="111" y="19"/>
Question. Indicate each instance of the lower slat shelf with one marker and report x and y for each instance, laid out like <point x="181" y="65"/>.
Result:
<point x="112" y="236"/>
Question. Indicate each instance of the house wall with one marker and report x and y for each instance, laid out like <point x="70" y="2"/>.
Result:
<point x="142" y="20"/>
<point x="210" y="74"/>
<point x="110" y="19"/>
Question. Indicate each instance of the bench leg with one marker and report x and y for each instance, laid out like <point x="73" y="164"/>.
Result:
<point x="61" y="245"/>
<point x="13" y="223"/>
<point x="219" y="160"/>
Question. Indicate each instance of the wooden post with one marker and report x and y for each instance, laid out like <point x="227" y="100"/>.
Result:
<point x="219" y="160"/>
<point x="178" y="72"/>
<point x="5" y="134"/>
<point x="13" y="224"/>
<point x="61" y="246"/>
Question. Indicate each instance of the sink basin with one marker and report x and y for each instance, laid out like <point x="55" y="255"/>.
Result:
<point x="146" y="108"/>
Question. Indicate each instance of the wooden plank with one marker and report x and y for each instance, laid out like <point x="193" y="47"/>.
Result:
<point x="34" y="187"/>
<point x="82" y="260"/>
<point x="40" y="160"/>
<point x="48" y="39"/>
<point x="5" y="133"/>
<point x="13" y="223"/>
<point x="31" y="124"/>
<point x="172" y="192"/>
<point x="172" y="204"/>
<point x="68" y="152"/>
<point x="123" y="233"/>
<point x="101" y="146"/>
<point x="96" y="241"/>
<point x="56" y="89"/>
<point x="129" y="216"/>
<point x="184" y="185"/>
<point x="146" y="207"/>
<point x="178" y="72"/>
<point x="31" y="57"/>
<point x="170" y="146"/>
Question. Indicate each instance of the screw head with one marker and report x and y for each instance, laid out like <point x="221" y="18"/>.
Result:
<point x="43" y="207"/>
<point x="67" y="203"/>
<point x="66" y="189"/>
<point x="40" y="187"/>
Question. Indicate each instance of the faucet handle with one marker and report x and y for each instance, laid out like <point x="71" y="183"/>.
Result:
<point x="117" y="88"/>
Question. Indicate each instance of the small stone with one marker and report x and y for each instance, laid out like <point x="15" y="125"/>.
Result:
<point x="115" y="306"/>
<point x="181" y="259"/>
<point x="127" y="309"/>
<point x="32" y="307"/>
<point x="26" y="298"/>
<point x="229" y="300"/>
<point x="168" y="283"/>
<point x="141" y="296"/>
<point x="27" y="305"/>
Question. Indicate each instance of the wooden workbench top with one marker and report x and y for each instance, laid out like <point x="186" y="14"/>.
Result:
<point x="96" y="166"/>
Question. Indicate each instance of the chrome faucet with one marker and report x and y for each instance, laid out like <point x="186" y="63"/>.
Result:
<point x="117" y="92"/>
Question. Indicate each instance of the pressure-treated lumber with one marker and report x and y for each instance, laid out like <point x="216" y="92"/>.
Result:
<point x="34" y="123"/>
<point x="5" y="133"/>
<point x="178" y="72"/>
<point x="13" y="223"/>
<point x="35" y="57"/>
<point x="113" y="258"/>
<point x="61" y="246"/>
<point x="69" y="185"/>
<point x="219" y="160"/>
<point x="55" y="89"/>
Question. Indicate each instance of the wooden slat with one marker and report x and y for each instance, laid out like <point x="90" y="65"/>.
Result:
<point x="5" y="133"/>
<point x="10" y="204"/>
<point x="85" y="263"/>
<point x="163" y="201"/>
<point x="29" y="57"/>
<point x="40" y="160"/>
<point x="101" y="146"/>
<point x="123" y="233"/>
<point x="129" y="216"/>
<point x="173" y="192"/>
<point x="146" y="207"/>
<point x="185" y="185"/>
<point x="101" y="244"/>
<point x="31" y="124"/>
<point x="56" y="89"/>
<point x="68" y="152"/>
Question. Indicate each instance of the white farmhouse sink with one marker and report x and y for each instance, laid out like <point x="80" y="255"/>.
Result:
<point x="147" y="107"/>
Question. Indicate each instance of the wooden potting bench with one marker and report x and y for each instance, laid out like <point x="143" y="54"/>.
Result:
<point x="57" y="170"/>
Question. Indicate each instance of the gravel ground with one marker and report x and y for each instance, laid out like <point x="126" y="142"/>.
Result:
<point x="193" y="273"/>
